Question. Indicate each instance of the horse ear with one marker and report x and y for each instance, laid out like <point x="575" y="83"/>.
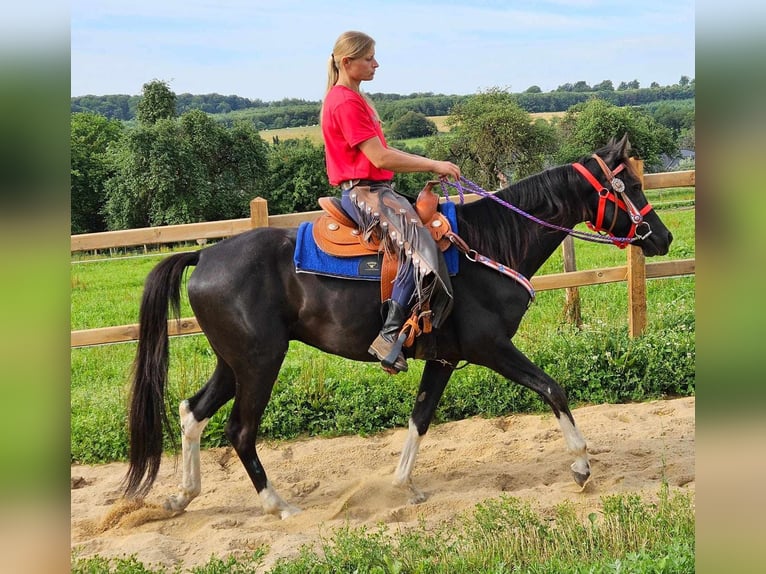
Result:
<point x="614" y="151"/>
<point x="623" y="146"/>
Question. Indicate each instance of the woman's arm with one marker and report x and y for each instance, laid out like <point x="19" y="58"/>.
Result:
<point x="402" y="162"/>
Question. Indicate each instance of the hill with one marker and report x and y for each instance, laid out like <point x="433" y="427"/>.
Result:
<point x="293" y="113"/>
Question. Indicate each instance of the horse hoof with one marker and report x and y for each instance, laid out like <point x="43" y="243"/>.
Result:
<point x="417" y="498"/>
<point x="175" y="503"/>
<point x="289" y="511"/>
<point x="581" y="478"/>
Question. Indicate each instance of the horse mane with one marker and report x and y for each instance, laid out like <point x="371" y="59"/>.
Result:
<point x="502" y="234"/>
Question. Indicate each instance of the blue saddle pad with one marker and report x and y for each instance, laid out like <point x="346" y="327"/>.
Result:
<point x="309" y="258"/>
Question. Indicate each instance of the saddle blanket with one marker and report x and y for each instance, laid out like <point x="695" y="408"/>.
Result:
<point x="308" y="258"/>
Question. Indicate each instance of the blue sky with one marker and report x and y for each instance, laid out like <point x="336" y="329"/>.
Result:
<point x="279" y="49"/>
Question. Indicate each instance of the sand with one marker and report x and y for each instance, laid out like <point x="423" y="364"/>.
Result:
<point x="347" y="481"/>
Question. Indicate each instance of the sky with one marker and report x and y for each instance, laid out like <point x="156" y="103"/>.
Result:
<point x="270" y="50"/>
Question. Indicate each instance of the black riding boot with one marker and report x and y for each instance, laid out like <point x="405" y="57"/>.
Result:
<point x="388" y="345"/>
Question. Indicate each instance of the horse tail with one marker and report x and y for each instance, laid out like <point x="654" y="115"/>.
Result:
<point x="148" y="413"/>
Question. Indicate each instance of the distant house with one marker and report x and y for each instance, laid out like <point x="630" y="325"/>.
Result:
<point x="674" y="163"/>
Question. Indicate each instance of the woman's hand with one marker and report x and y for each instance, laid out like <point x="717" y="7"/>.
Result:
<point x="446" y="169"/>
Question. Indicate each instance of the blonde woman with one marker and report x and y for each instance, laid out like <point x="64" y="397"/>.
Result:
<point x="360" y="162"/>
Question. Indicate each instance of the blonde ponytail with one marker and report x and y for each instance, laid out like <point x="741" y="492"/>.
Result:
<point x="332" y="73"/>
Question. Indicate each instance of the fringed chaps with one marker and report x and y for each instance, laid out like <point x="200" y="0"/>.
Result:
<point x="393" y="218"/>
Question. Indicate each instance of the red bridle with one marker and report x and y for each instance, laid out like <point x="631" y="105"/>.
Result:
<point x="618" y="196"/>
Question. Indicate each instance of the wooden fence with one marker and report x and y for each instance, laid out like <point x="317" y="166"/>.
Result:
<point x="635" y="272"/>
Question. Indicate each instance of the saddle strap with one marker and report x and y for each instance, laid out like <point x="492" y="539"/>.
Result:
<point x="413" y="325"/>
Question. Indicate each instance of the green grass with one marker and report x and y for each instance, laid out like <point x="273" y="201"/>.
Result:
<point x="627" y="534"/>
<point x="106" y="291"/>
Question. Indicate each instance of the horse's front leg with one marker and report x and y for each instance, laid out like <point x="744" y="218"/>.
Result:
<point x="432" y="384"/>
<point x="576" y="445"/>
<point x="514" y="365"/>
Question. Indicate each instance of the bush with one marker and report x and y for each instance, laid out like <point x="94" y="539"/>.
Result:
<point x="411" y="125"/>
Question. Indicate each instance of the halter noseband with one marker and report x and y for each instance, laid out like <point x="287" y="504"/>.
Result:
<point x="618" y="196"/>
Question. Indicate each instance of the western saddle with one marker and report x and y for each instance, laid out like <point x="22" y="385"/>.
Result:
<point x="337" y="234"/>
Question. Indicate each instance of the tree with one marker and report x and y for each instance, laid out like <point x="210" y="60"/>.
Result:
<point x="411" y="125"/>
<point x="184" y="170"/>
<point x="90" y="138"/>
<point x="590" y="125"/>
<point x="605" y="86"/>
<point x="686" y="139"/>
<point x="297" y="176"/>
<point x="533" y="90"/>
<point x="491" y="134"/>
<point x="581" y="86"/>
<point x="674" y="115"/>
<point x="158" y="102"/>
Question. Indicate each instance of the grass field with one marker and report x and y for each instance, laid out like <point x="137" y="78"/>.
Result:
<point x="312" y="133"/>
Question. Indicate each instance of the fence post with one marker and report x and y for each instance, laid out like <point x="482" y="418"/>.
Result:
<point x="259" y="212"/>
<point x="572" y="308"/>
<point x="636" y="277"/>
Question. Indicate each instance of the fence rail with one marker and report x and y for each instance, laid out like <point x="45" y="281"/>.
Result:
<point x="635" y="272"/>
<point x="189" y="325"/>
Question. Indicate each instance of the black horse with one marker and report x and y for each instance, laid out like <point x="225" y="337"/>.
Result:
<point x="250" y="302"/>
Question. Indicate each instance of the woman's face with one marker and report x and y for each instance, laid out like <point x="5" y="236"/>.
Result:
<point x="363" y="68"/>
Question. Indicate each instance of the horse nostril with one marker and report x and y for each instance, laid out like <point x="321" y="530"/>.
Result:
<point x="670" y="238"/>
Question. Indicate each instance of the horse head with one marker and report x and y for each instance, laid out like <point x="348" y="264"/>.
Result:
<point x="619" y="207"/>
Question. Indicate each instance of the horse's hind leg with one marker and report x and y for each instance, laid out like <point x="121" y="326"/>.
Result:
<point x="432" y="384"/>
<point x="195" y="413"/>
<point x="256" y="380"/>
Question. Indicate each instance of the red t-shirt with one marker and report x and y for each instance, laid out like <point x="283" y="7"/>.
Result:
<point x="347" y="121"/>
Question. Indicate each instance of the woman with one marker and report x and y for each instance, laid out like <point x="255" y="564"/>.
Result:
<point x="362" y="165"/>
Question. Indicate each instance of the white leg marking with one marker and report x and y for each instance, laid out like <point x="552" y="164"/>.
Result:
<point x="408" y="456"/>
<point x="191" y="482"/>
<point x="577" y="446"/>
<point x="403" y="474"/>
<point x="273" y="503"/>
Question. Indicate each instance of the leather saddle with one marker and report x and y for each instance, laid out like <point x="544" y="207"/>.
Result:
<point x="337" y="234"/>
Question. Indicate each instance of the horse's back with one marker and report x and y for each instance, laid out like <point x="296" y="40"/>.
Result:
<point x="243" y="270"/>
<point x="227" y="263"/>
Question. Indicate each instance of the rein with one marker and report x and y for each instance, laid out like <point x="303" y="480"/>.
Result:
<point x="616" y="195"/>
<point x="601" y="235"/>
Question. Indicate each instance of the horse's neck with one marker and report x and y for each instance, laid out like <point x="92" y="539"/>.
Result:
<point x="542" y="240"/>
<point x="547" y="242"/>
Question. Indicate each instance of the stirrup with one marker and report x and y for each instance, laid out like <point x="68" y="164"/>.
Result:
<point x="390" y="355"/>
